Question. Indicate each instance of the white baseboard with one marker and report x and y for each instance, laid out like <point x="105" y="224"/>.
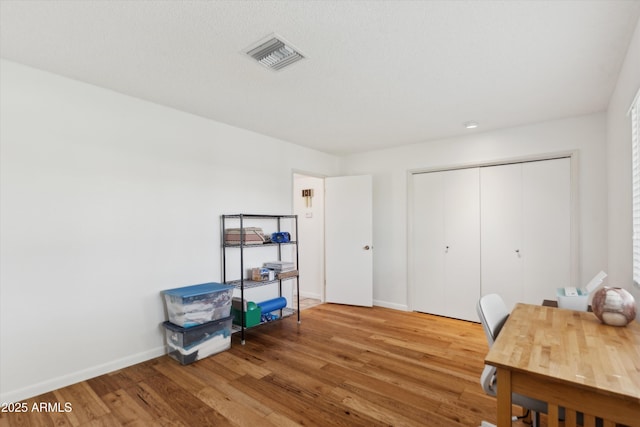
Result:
<point x="310" y="295"/>
<point x="74" y="377"/>
<point x="386" y="304"/>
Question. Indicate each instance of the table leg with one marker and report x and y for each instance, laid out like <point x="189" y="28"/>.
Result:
<point x="504" y="397"/>
<point x="552" y="416"/>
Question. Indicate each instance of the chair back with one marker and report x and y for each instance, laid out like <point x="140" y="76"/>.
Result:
<point x="492" y="312"/>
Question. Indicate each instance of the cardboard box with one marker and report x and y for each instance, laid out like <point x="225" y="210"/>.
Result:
<point x="287" y="274"/>
<point x="250" y="236"/>
<point x="262" y="274"/>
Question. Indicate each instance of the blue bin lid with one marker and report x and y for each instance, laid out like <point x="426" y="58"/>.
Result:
<point x="195" y="290"/>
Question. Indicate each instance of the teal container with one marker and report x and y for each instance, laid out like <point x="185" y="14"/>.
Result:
<point x="252" y="315"/>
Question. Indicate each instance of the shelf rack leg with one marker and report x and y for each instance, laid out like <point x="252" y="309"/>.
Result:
<point x="297" y="266"/>
<point x="243" y="323"/>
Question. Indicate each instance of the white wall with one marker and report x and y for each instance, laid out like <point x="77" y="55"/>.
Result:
<point x="311" y="232"/>
<point x="619" y="170"/>
<point x="107" y="200"/>
<point x="586" y="134"/>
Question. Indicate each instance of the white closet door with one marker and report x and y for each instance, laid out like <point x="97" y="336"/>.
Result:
<point x="501" y="230"/>
<point x="526" y="230"/>
<point x="428" y="242"/>
<point x="446" y="243"/>
<point x="462" y="243"/>
<point x="547" y="228"/>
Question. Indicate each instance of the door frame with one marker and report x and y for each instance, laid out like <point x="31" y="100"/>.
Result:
<point x="320" y="241"/>
<point x="573" y="155"/>
<point x="321" y="244"/>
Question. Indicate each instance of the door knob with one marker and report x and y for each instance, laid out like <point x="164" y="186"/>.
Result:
<point x="366" y="248"/>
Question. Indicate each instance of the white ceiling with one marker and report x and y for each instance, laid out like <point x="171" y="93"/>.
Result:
<point x="378" y="73"/>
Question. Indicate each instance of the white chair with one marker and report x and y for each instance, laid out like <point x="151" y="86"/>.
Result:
<point x="493" y="313"/>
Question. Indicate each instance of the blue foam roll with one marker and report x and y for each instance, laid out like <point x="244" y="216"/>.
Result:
<point x="272" y="304"/>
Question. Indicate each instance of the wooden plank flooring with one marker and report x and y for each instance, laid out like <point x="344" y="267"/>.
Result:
<point x="343" y="366"/>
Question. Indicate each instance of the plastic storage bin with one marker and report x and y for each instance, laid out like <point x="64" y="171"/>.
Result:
<point x="579" y="302"/>
<point x="186" y="345"/>
<point x="198" y="304"/>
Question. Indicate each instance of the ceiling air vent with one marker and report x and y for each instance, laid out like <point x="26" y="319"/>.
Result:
<point x="275" y="54"/>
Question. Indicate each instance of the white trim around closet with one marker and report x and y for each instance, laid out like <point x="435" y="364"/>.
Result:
<point x="575" y="218"/>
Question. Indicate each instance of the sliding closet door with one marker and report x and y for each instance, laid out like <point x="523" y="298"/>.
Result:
<point x="546" y="213"/>
<point x="427" y="249"/>
<point x="526" y="230"/>
<point x="462" y="243"/>
<point x="446" y="243"/>
<point x="501" y="230"/>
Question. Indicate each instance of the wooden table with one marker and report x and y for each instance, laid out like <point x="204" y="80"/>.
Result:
<point x="568" y="359"/>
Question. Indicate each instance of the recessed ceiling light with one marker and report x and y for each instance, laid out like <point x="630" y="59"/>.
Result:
<point x="275" y="53"/>
<point x="470" y="125"/>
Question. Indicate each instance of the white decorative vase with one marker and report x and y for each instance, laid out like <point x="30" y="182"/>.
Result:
<point x="614" y="306"/>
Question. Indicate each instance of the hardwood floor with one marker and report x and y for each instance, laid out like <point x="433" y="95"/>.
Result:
<point x="343" y="366"/>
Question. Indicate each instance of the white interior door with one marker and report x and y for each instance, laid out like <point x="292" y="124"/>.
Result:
<point x="348" y="240"/>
